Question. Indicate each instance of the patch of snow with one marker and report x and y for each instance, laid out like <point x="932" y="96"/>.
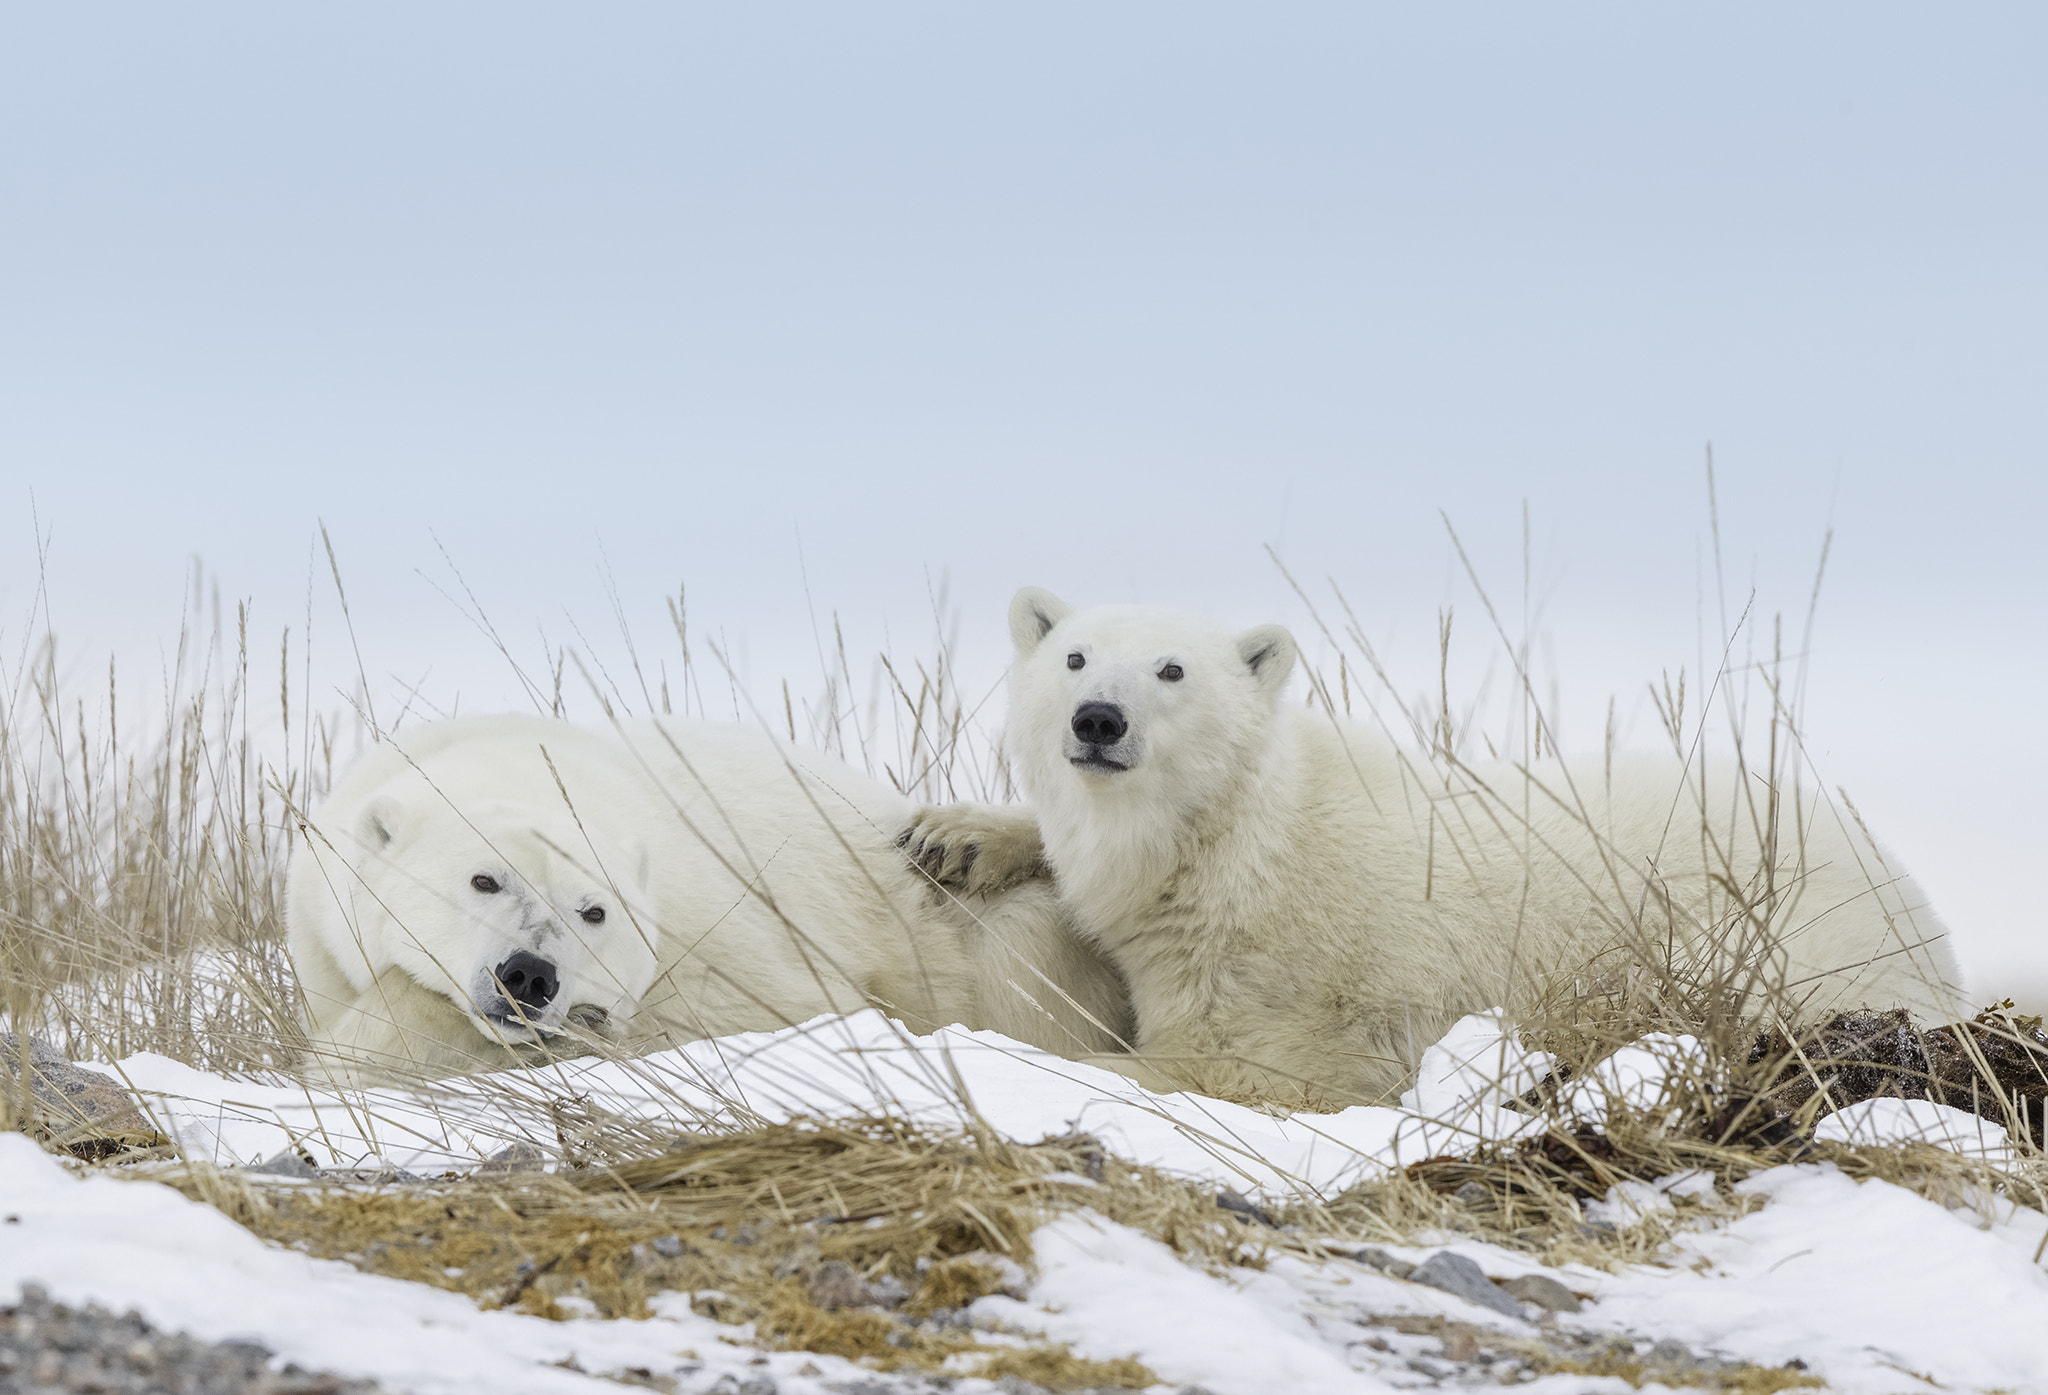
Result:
<point x="1463" y="1084"/>
<point x="1111" y="1291"/>
<point x="1918" y="1121"/>
<point x="835" y="1066"/>
<point x="1636" y="1078"/>
<point x="1875" y="1288"/>
<point x="1629" y="1201"/>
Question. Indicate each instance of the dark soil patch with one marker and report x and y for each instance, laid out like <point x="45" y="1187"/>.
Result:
<point x="1995" y="1066"/>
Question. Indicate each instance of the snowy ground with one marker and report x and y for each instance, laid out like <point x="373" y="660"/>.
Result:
<point x="1872" y="1287"/>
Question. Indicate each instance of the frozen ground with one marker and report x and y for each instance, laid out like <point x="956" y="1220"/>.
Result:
<point x="1872" y="1287"/>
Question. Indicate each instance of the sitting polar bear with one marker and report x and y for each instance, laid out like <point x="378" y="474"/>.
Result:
<point x="1299" y="909"/>
<point x="484" y="890"/>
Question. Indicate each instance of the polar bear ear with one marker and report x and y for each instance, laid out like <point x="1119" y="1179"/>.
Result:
<point x="378" y="826"/>
<point x="1033" y="613"/>
<point x="1268" y="652"/>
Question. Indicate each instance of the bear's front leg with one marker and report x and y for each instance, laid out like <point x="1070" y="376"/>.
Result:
<point x="975" y="848"/>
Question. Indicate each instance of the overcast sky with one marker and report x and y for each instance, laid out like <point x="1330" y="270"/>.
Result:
<point x="1103" y="298"/>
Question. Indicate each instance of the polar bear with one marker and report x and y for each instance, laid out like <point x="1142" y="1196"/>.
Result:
<point x="1299" y="907"/>
<point x="483" y="890"/>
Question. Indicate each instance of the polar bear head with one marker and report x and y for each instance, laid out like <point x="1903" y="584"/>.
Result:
<point x="1158" y="714"/>
<point x="517" y="911"/>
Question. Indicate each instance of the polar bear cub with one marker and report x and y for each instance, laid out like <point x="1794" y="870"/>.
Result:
<point x="483" y="890"/>
<point x="1299" y="908"/>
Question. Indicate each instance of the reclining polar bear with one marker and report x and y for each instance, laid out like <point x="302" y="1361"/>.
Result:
<point x="483" y="890"/>
<point x="1299" y="909"/>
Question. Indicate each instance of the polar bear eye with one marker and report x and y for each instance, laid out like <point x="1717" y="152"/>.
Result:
<point x="1074" y="660"/>
<point x="484" y="882"/>
<point x="594" y="916"/>
<point x="1173" y="673"/>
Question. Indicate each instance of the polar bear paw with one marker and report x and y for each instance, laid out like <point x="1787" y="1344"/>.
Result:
<point x="975" y="848"/>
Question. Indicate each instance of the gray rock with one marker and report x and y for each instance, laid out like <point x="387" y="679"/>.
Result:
<point x="1384" y="1262"/>
<point x="1544" y="1292"/>
<point x="83" y="1111"/>
<point x="1245" y="1210"/>
<point x="836" y="1284"/>
<point x="1474" y="1195"/>
<point x="285" y="1164"/>
<point x="1672" y="1352"/>
<point x="668" y="1246"/>
<point x="744" y="1385"/>
<point x="1453" y="1273"/>
<point x="518" y="1157"/>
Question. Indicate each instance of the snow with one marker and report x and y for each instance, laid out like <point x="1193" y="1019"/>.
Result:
<point x="1876" y="1288"/>
<point x="1918" y="1121"/>
<point x="1873" y="1287"/>
<point x="1865" y="1282"/>
<point x="1112" y="1291"/>
<point x="841" y="1065"/>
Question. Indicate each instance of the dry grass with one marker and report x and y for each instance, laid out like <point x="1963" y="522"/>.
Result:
<point x="746" y="1223"/>
<point x="141" y="880"/>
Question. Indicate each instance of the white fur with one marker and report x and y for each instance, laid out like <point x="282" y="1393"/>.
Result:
<point x="1300" y="909"/>
<point x="745" y="886"/>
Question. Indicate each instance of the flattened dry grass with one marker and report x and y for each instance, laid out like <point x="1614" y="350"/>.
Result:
<point x="744" y="1224"/>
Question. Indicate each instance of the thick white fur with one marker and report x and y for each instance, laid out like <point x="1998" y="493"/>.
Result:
<point x="1299" y="908"/>
<point x="746" y="886"/>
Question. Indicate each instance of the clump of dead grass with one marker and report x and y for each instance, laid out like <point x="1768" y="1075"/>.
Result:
<point x="1722" y="1113"/>
<point x="743" y="1223"/>
<point x="141" y="878"/>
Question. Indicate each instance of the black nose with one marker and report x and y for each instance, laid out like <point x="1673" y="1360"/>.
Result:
<point x="1100" y="723"/>
<point x="527" y="980"/>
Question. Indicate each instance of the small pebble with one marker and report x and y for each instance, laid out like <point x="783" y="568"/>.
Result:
<point x="748" y="1385"/>
<point x="1238" y="1206"/>
<point x="1544" y="1292"/>
<point x="517" y="1157"/>
<point x="1671" y="1352"/>
<point x="835" y="1284"/>
<point x="1384" y="1262"/>
<point x="1453" y="1273"/>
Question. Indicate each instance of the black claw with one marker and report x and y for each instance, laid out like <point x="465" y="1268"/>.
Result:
<point x="903" y="838"/>
<point x="972" y="851"/>
<point x="933" y="859"/>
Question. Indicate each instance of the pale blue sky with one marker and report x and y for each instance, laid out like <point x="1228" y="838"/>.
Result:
<point x="1104" y="298"/>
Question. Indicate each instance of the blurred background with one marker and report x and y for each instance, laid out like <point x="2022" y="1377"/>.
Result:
<point x="880" y="312"/>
